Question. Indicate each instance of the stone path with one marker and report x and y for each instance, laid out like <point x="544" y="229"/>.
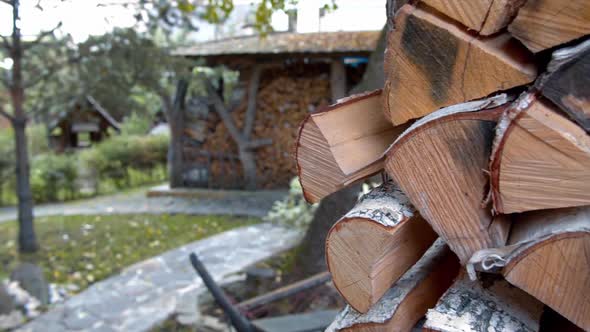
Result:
<point x="147" y="293"/>
<point x="254" y="204"/>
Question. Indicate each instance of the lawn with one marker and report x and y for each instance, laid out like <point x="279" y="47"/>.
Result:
<point x="81" y="250"/>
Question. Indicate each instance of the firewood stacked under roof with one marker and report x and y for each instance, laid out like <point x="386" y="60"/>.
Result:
<point x="483" y="219"/>
<point x="283" y="101"/>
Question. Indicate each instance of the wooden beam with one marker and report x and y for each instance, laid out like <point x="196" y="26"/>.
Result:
<point x="439" y="163"/>
<point x="484" y="16"/>
<point x="432" y="62"/>
<point x="566" y="82"/>
<point x="468" y="306"/>
<point x="541" y="159"/>
<point x="343" y="144"/>
<point x="542" y="24"/>
<point x="547" y="256"/>
<point x="407" y="300"/>
<point x="374" y="244"/>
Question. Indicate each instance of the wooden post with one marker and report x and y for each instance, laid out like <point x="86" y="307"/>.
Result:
<point x="338" y="83"/>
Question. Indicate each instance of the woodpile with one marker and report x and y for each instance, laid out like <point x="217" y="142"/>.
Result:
<point x="285" y="98"/>
<point x="482" y="222"/>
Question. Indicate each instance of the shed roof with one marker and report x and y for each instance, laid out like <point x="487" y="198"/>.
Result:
<point x="342" y="42"/>
<point x="95" y="107"/>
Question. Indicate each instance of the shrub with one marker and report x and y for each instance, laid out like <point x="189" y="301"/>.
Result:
<point x="136" y="125"/>
<point x="292" y="211"/>
<point x="53" y="177"/>
<point x="113" y="159"/>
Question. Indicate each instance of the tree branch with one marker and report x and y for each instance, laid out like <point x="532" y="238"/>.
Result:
<point x="223" y="113"/>
<point x="41" y="36"/>
<point x="6" y="114"/>
<point x="49" y="72"/>
<point x="8" y="2"/>
<point x="6" y="43"/>
<point x="252" y="96"/>
<point x="255" y="144"/>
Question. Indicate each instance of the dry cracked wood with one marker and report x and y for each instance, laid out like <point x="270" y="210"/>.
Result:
<point x="343" y="144"/>
<point x="548" y="257"/>
<point x="566" y="82"/>
<point x="374" y="244"/>
<point x="484" y="16"/>
<point x="431" y="62"/>
<point x="541" y="160"/>
<point x="439" y="163"/>
<point x="408" y="299"/>
<point x="541" y="24"/>
<point x="468" y="306"/>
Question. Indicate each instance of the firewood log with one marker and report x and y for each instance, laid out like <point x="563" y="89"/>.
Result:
<point x="374" y="244"/>
<point x="407" y="300"/>
<point x="439" y="161"/>
<point x="541" y="24"/>
<point x="469" y="306"/>
<point x="547" y="256"/>
<point x="541" y="159"/>
<point x="431" y="62"/>
<point x="484" y="16"/>
<point x="343" y="144"/>
<point x="566" y="82"/>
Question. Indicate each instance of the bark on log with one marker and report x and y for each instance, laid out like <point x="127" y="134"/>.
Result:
<point x="546" y="256"/>
<point x="566" y="82"/>
<point x="342" y="145"/>
<point x="540" y="160"/>
<point x="541" y="24"/>
<point x="439" y="163"/>
<point x="484" y="16"/>
<point x="409" y="298"/>
<point x="432" y="62"/>
<point x="374" y="244"/>
<point x="468" y="306"/>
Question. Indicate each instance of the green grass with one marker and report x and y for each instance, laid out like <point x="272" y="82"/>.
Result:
<point x="82" y="250"/>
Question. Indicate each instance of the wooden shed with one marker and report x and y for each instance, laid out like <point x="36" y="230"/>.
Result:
<point x="85" y="123"/>
<point x="282" y="78"/>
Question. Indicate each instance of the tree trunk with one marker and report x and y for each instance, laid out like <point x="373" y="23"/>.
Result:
<point x="26" y="236"/>
<point x="312" y="252"/>
<point x="176" y="122"/>
<point x="311" y="257"/>
<point x="248" y="160"/>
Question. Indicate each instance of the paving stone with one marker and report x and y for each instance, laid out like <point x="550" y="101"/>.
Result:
<point x="145" y="295"/>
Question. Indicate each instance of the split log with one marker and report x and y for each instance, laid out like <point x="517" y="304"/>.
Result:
<point x="541" y="24"/>
<point x="343" y="144"/>
<point x="484" y="16"/>
<point x="409" y="299"/>
<point x="547" y="256"/>
<point x="439" y="161"/>
<point x="468" y="306"/>
<point x="432" y="62"/>
<point x="541" y="160"/>
<point x="566" y="82"/>
<point x="374" y="244"/>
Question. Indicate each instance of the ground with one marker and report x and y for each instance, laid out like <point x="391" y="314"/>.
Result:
<point x="75" y="251"/>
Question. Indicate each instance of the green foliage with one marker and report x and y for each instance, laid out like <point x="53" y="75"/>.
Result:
<point x="53" y="176"/>
<point x="82" y="250"/>
<point x="113" y="159"/>
<point x="293" y="210"/>
<point x="136" y="125"/>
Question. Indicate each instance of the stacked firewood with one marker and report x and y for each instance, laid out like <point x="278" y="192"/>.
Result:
<point x="482" y="222"/>
<point x="283" y="101"/>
